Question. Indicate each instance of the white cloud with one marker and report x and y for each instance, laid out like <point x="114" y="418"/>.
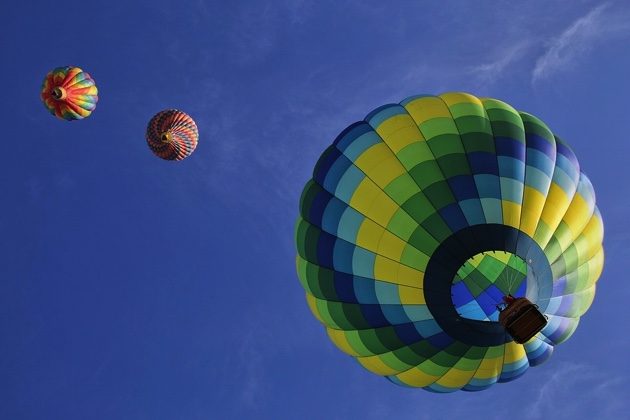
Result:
<point x="577" y="390"/>
<point x="579" y="38"/>
<point x="492" y="70"/>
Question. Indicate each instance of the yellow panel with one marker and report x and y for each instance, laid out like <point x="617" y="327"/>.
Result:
<point x="533" y="204"/>
<point x="593" y="233"/>
<point x="489" y="368"/>
<point x="372" y="157"/>
<point x="455" y="378"/>
<point x="376" y="365"/>
<point x="391" y="246"/>
<point x="364" y="195"/>
<point x="511" y="213"/>
<point x="369" y="235"/>
<point x="410" y="277"/>
<point x="416" y="377"/>
<point x="386" y="269"/>
<point x="556" y="205"/>
<point x="453" y="98"/>
<point x="501" y="256"/>
<point x="382" y="209"/>
<point x="338" y="337"/>
<point x="386" y="171"/>
<point x="411" y="295"/>
<point x="513" y="352"/>
<point x="595" y="267"/>
<point x="312" y="304"/>
<point x="427" y="108"/>
<point x="578" y="214"/>
<point x="399" y="131"/>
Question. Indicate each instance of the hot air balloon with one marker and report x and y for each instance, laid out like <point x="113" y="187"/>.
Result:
<point x="172" y="135"/>
<point x="69" y="93"/>
<point x="421" y="218"/>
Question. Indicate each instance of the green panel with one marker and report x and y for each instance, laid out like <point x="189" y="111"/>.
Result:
<point x="419" y="207"/>
<point x="440" y="194"/>
<point x="415" y="153"/>
<point x="401" y="188"/>
<point x="426" y="174"/>
<point x="454" y="165"/>
<point x="446" y="144"/>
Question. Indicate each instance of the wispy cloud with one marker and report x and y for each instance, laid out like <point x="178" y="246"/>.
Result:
<point x="599" y="24"/>
<point x="490" y="71"/>
<point x="591" y="393"/>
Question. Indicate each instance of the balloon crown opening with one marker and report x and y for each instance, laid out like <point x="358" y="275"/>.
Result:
<point x="166" y="137"/>
<point x="58" y="93"/>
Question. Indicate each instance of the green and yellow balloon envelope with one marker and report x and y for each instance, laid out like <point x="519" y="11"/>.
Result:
<point x="419" y="219"/>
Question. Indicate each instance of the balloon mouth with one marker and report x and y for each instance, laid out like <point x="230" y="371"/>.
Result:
<point x="464" y="245"/>
<point x="58" y="93"/>
<point x="166" y="137"/>
<point x="484" y="280"/>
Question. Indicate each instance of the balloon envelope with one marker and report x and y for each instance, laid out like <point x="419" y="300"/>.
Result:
<point x="418" y="220"/>
<point x="69" y="93"/>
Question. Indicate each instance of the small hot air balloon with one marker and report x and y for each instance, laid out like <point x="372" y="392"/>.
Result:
<point x="69" y="93"/>
<point x="172" y="135"/>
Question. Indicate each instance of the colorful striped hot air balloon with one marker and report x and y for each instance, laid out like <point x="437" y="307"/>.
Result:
<point x="423" y="216"/>
<point x="172" y="135"/>
<point x="69" y="93"/>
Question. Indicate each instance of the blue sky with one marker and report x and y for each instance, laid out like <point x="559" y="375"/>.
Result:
<point x="133" y="288"/>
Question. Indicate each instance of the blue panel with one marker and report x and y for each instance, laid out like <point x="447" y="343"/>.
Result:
<point x="386" y="293"/>
<point x="537" y="179"/>
<point x="332" y="215"/>
<point x="509" y="148"/>
<point x="473" y="211"/>
<point x="427" y="328"/>
<point x="360" y="145"/>
<point x="364" y="290"/>
<point x="463" y="187"/>
<point x="483" y="163"/>
<point x="453" y="216"/>
<point x="460" y="294"/>
<point x="347" y="185"/>
<point x="511" y="168"/>
<point x="417" y="312"/>
<point x="563" y="149"/>
<point x="373" y="315"/>
<point x="487" y="304"/>
<point x="317" y="207"/>
<point x="440" y="340"/>
<point x="488" y="186"/>
<point x="363" y="262"/>
<point x="344" y="287"/>
<point x="348" y="135"/>
<point x="382" y="113"/>
<point x="407" y="333"/>
<point x="342" y="256"/>
<point x="349" y="224"/>
<point x="325" y="246"/>
<point x="534" y="141"/>
<point x="325" y="162"/>
<point x="512" y="190"/>
<point x="438" y="388"/>
<point x="492" y="210"/>
<point x="471" y="310"/>
<point x="541" y="161"/>
<point x="395" y="314"/>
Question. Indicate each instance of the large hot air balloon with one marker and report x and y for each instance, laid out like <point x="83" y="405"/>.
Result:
<point x="421" y="218"/>
<point x="172" y="135"/>
<point x="69" y="93"/>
